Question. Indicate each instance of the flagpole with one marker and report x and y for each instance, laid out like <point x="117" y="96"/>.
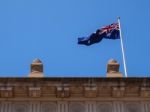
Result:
<point x="122" y="48"/>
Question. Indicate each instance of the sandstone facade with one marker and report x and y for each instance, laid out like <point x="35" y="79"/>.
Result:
<point x="74" y="94"/>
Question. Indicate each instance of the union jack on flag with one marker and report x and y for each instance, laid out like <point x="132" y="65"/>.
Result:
<point x="111" y="31"/>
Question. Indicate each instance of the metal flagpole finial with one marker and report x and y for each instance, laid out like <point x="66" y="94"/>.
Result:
<point x="118" y="17"/>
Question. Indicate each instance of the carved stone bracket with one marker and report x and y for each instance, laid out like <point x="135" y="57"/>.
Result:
<point x="132" y="91"/>
<point x="63" y="92"/>
<point x="34" y="92"/>
<point x="90" y="91"/>
<point x="118" y="91"/>
<point x="6" y="92"/>
<point x="145" y="92"/>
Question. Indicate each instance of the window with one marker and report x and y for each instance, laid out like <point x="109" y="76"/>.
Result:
<point x="48" y="107"/>
<point x="76" y="107"/>
<point x="20" y="108"/>
<point x="132" y="107"/>
<point x="104" y="108"/>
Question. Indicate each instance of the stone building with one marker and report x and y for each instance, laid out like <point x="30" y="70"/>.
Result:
<point x="37" y="93"/>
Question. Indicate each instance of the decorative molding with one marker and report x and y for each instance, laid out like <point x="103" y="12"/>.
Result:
<point x="90" y="91"/>
<point x="132" y="90"/>
<point x="63" y="92"/>
<point x="6" y="92"/>
<point x="34" y="92"/>
<point x="112" y="88"/>
<point x="145" y="92"/>
<point x="118" y="92"/>
<point x="104" y="91"/>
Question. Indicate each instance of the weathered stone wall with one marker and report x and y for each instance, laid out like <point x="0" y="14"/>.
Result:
<point x="74" y="95"/>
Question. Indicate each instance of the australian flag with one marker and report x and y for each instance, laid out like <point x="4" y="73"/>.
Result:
<point x="107" y="32"/>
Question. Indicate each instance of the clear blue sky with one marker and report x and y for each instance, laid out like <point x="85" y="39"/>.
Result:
<point x="48" y="30"/>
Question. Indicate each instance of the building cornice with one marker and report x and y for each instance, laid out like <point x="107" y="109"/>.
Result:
<point x="73" y="87"/>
